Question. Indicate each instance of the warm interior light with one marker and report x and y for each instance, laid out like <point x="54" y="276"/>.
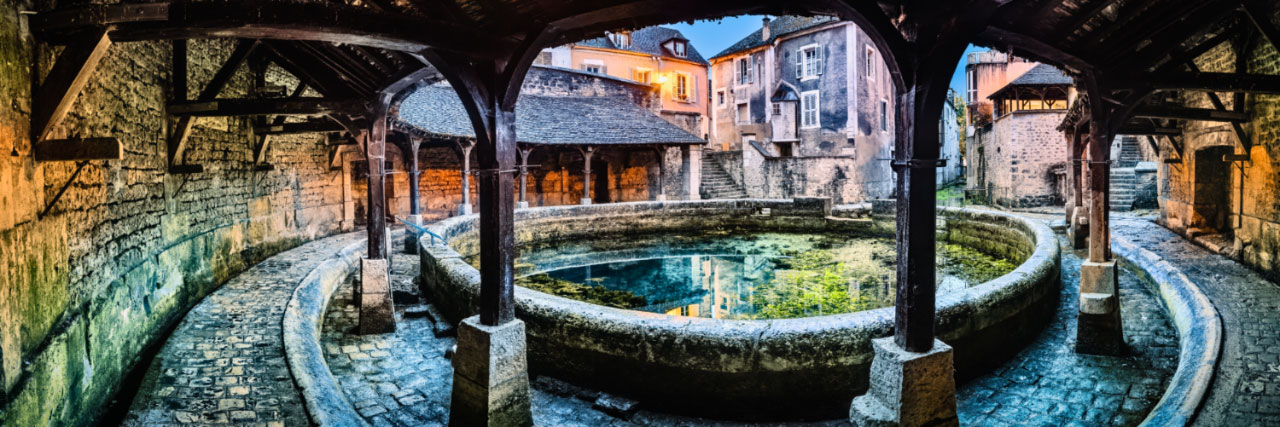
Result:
<point x="662" y="79"/>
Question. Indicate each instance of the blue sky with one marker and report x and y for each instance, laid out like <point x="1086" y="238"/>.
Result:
<point x="710" y="37"/>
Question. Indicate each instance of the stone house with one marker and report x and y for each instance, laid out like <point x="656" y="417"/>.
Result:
<point x="949" y="140"/>
<point x="985" y="73"/>
<point x="657" y="56"/>
<point x="803" y="107"/>
<point x="1016" y="159"/>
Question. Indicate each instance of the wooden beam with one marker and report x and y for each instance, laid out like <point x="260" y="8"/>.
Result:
<point x="67" y="150"/>
<point x="1033" y="47"/>
<point x="1202" y="114"/>
<point x="310" y="126"/>
<point x="177" y="141"/>
<point x="1220" y="106"/>
<point x="1139" y="129"/>
<point x="1207" y="81"/>
<point x="60" y="89"/>
<point x="268" y="19"/>
<point x="1262" y="20"/>
<point x="185" y="169"/>
<point x="1082" y="18"/>
<point x="261" y="107"/>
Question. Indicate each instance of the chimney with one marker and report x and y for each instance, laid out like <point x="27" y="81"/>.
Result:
<point x="764" y="30"/>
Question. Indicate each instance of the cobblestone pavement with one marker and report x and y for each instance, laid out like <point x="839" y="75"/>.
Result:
<point x="1246" y="387"/>
<point x="225" y="362"/>
<point x="1049" y="384"/>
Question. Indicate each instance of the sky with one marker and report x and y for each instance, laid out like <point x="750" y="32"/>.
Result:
<point x="710" y="37"/>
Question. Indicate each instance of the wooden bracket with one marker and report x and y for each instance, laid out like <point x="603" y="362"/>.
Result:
<point x="68" y="77"/>
<point x="177" y="142"/>
<point x="66" y="150"/>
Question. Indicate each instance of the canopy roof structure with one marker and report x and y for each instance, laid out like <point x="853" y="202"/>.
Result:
<point x="546" y="120"/>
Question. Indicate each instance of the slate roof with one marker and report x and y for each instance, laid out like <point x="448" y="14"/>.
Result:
<point x="1039" y="75"/>
<point x="549" y="120"/>
<point x="649" y="40"/>
<point x="778" y="27"/>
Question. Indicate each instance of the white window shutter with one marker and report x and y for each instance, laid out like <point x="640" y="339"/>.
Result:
<point x="820" y="59"/>
<point x="799" y="64"/>
<point x="693" y="90"/>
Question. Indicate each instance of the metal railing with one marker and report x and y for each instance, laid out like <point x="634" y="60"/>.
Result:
<point x="420" y="230"/>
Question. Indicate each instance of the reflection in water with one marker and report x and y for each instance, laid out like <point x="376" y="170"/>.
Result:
<point x="723" y="275"/>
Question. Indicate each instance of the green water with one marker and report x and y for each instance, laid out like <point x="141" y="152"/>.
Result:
<point x="735" y="275"/>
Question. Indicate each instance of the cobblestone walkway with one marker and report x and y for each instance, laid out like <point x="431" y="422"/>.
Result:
<point x="1049" y="384"/>
<point x="1246" y="388"/>
<point x="225" y="361"/>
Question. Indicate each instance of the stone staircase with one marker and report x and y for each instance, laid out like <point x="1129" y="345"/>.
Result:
<point x="1124" y="181"/>
<point x="716" y="183"/>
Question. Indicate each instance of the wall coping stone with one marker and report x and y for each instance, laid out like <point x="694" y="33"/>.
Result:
<point x="1199" y="328"/>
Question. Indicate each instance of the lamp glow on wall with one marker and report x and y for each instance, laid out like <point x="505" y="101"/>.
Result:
<point x="662" y="78"/>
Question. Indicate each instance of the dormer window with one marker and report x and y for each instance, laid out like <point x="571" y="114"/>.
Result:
<point x="621" y="39"/>
<point x="679" y="48"/>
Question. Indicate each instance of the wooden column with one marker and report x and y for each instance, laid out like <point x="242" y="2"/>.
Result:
<point x="1098" y="324"/>
<point x="464" y="150"/>
<point x="661" y="152"/>
<point x="375" y="155"/>
<point x="587" y="152"/>
<point x="1099" y="182"/>
<point x="411" y="163"/>
<point x="524" y="176"/>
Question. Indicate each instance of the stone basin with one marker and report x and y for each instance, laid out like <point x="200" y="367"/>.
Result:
<point x="760" y="369"/>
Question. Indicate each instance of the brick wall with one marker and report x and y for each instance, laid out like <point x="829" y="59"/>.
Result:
<point x="129" y="247"/>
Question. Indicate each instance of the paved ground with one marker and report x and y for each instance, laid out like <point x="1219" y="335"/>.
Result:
<point x="1246" y="389"/>
<point x="404" y="378"/>
<point x="225" y="361"/>
<point x="1049" y="384"/>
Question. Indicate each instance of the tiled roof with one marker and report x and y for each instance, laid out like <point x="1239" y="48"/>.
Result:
<point x="436" y="110"/>
<point x="778" y="27"/>
<point x="1039" y="75"/>
<point x="649" y="40"/>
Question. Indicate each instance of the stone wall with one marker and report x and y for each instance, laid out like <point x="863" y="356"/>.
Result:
<point x="846" y="179"/>
<point x="1012" y="162"/>
<point x="1190" y="190"/>
<point x="128" y="248"/>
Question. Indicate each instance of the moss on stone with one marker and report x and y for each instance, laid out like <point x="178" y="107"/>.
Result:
<point x="595" y="294"/>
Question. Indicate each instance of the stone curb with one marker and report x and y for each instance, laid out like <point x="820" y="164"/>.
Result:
<point x="325" y="402"/>
<point x="1199" y="329"/>
<point x="786" y="357"/>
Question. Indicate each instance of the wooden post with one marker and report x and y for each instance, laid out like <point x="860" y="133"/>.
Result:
<point x="497" y="220"/>
<point x="587" y="152"/>
<point x="660" y="153"/>
<point x="524" y="176"/>
<point x="375" y="154"/>
<point x="1098" y="324"/>
<point x="916" y="166"/>
<point x="464" y="149"/>
<point x="411" y="163"/>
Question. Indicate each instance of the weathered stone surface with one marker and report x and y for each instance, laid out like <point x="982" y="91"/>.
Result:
<point x="907" y="388"/>
<point x="1099" y="329"/>
<point x="377" y="312"/>
<point x="490" y="377"/>
<point x="617" y="406"/>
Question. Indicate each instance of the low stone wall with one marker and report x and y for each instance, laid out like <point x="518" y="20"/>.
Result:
<point x="1199" y="331"/>
<point x="760" y="369"/>
<point x="326" y="404"/>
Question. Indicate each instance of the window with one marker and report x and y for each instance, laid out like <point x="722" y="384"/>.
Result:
<point x="621" y="39"/>
<point x="809" y="109"/>
<point x="679" y="48"/>
<point x="642" y="75"/>
<point x="884" y="115"/>
<point x="871" y="64"/>
<point x="744" y="113"/>
<point x="594" y="66"/>
<point x="973" y="87"/>
<point x="777" y="109"/>
<point x="720" y="97"/>
<point x="746" y="70"/>
<point x="809" y="62"/>
<point x="686" y="87"/>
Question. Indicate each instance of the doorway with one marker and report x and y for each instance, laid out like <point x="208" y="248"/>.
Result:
<point x="1212" y="191"/>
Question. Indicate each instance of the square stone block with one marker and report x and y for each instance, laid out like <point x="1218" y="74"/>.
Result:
<point x="1098" y="277"/>
<point x="374" y="277"/>
<point x="522" y="205"/>
<point x="1098" y="324"/>
<point x="818" y="205"/>
<point x="377" y="312"/>
<point x="586" y="201"/>
<point x="464" y="209"/>
<point x="907" y="388"/>
<point x="490" y="375"/>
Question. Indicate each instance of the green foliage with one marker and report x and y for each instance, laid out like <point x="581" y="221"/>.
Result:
<point x="971" y="265"/>
<point x="595" y="294"/>
<point x="812" y="284"/>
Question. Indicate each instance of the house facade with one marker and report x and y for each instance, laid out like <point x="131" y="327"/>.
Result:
<point x="803" y="107"/>
<point x="657" y="56"/>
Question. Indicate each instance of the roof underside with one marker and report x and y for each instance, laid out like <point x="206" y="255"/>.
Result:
<point x="547" y="120"/>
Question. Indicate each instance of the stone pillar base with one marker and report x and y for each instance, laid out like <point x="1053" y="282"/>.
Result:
<point x="1098" y="327"/>
<point x="908" y="389"/>
<point x="660" y="198"/>
<point x="377" y="314"/>
<point x="464" y="209"/>
<point x="1078" y="229"/>
<point x="522" y="205"/>
<point x="586" y="201"/>
<point x="490" y="376"/>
